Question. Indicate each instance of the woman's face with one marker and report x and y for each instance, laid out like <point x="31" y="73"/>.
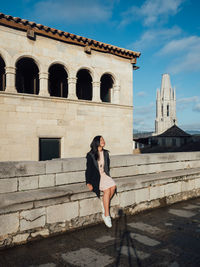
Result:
<point x="102" y="142"/>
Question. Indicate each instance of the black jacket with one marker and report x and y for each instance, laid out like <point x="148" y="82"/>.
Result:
<point x="92" y="173"/>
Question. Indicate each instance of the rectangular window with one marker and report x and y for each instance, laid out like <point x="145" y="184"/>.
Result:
<point x="49" y="148"/>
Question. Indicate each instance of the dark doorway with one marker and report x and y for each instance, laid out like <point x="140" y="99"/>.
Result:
<point x="84" y="85"/>
<point x="49" y="148"/>
<point x="106" y="86"/>
<point x="2" y="75"/>
<point x="58" y="85"/>
<point x="27" y="76"/>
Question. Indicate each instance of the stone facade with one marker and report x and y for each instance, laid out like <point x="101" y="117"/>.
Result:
<point x="143" y="182"/>
<point x="27" y="116"/>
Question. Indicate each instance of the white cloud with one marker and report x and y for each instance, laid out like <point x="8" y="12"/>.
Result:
<point x="152" y="12"/>
<point x="181" y="45"/>
<point x="197" y="107"/>
<point x="142" y="93"/>
<point x="188" y="102"/>
<point x="185" y="53"/>
<point x="155" y="37"/>
<point x="77" y="11"/>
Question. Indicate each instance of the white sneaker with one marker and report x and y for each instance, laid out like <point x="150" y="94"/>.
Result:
<point x="107" y="221"/>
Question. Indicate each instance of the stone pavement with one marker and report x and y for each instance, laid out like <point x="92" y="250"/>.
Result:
<point x="167" y="236"/>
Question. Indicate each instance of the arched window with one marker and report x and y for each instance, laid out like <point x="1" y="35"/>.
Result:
<point x="2" y="75"/>
<point x="167" y="110"/>
<point x="84" y="85"/>
<point x="27" y="76"/>
<point x="58" y="85"/>
<point x="106" y="86"/>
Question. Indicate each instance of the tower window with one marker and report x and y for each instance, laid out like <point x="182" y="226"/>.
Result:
<point x="168" y="110"/>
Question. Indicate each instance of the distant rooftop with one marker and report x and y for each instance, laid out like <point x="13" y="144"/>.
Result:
<point x="174" y="131"/>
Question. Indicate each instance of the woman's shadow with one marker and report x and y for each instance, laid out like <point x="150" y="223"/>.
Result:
<point x="123" y="241"/>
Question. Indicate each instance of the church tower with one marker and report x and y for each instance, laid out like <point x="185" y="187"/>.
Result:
<point x="165" y="106"/>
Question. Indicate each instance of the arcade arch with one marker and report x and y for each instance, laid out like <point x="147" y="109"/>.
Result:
<point x="2" y="75"/>
<point x="27" y="76"/>
<point x="58" y="85"/>
<point x="107" y="83"/>
<point x="84" y="84"/>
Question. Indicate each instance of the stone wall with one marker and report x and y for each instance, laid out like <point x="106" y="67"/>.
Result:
<point x="38" y="199"/>
<point x="25" y="119"/>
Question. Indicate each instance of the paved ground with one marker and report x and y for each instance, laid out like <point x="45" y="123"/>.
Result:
<point x="163" y="237"/>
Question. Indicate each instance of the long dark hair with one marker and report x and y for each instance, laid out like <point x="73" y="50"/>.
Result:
<point x="94" y="146"/>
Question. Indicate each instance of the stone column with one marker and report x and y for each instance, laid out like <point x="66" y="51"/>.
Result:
<point x="72" y="88"/>
<point x="116" y="91"/>
<point x="44" y="76"/>
<point x="96" y="91"/>
<point x="10" y="79"/>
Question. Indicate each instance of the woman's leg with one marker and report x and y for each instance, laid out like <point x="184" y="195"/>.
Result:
<point x="106" y="200"/>
<point x="107" y="195"/>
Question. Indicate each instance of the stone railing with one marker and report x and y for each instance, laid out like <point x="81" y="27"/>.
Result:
<point x="38" y="199"/>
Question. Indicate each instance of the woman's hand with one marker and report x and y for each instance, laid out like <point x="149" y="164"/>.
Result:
<point x="90" y="187"/>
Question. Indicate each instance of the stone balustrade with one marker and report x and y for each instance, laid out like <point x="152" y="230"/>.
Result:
<point x="38" y="199"/>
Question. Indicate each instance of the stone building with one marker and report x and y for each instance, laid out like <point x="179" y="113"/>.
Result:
<point x="58" y="90"/>
<point x="165" y="106"/>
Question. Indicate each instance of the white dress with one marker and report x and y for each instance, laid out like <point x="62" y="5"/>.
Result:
<point x="105" y="180"/>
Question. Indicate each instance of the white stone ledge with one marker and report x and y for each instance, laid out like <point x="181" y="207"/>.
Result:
<point x="73" y="192"/>
<point x="42" y="212"/>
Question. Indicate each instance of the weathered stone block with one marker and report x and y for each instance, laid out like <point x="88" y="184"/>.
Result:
<point x="7" y="169"/>
<point x="46" y="180"/>
<point x="197" y="183"/>
<point x="156" y="192"/>
<point x="90" y="206"/>
<point x="8" y="185"/>
<point x="15" y="207"/>
<point x="172" y="188"/>
<point x="124" y="171"/>
<point x="21" y="238"/>
<point x="32" y="219"/>
<point x="141" y="195"/>
<point x="74" y="164"/>
<point x="70" y="177"/>
<point x="30" y="168"/>
<point x="44" y="233"/>
<point x="9" y="223"/>
<point x="27" y="183"/>
<point x="187" y="185"/>
<point x="126" y="198"/>
<point x="115" y="200"/>
<point x="63" y="212"/>
<point x="53" y="166"/>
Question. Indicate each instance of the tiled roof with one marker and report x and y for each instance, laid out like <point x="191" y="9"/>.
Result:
<point x="23" y="24"/>
<point x="174" y="131"/>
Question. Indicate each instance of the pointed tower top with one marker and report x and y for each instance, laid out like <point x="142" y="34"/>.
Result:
<point x="165" y="81"/>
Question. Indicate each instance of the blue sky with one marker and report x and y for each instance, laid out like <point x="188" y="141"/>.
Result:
<point x="166" y="32"/>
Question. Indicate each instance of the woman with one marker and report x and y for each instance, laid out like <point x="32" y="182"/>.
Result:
<point x="98" y="175"/>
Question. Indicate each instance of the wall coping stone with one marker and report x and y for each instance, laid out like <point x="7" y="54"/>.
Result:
<point x="8" y="200"/>
<point x="30" y="168"/>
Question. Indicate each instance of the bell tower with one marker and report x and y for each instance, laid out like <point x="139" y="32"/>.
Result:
<point x="165" y="106"/>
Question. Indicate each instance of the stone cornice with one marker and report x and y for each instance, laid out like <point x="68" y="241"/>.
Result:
<point x="90" y="44"/>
